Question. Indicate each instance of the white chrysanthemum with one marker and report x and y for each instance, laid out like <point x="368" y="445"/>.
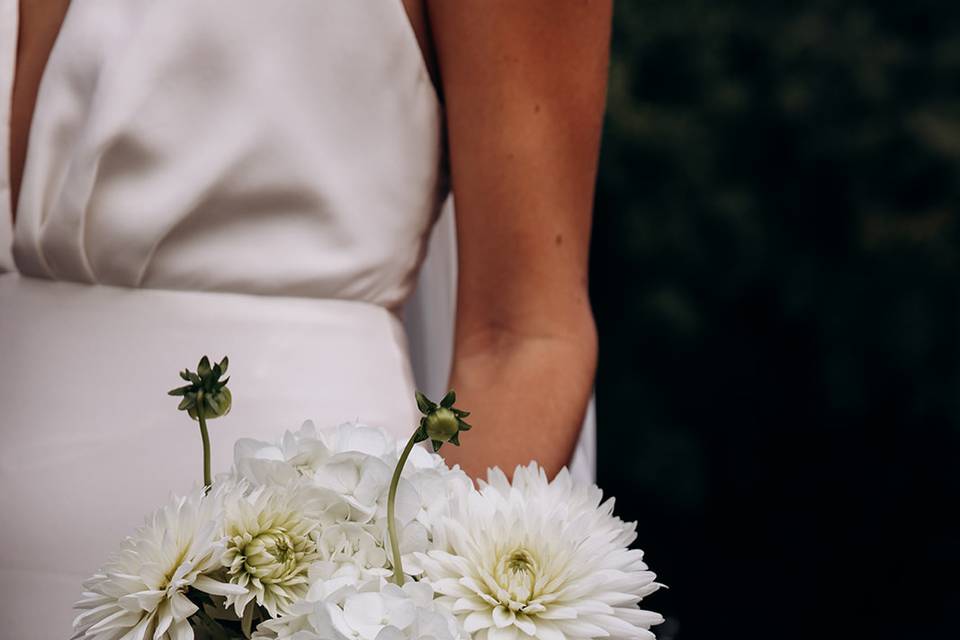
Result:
<point x="540" y="559"/>
<point x="270" y="546"/>
<point x="378" y="610"/>
<point x="141" y="592"/>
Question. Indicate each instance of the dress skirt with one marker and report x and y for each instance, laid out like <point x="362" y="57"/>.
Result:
<point x="91" y="442"/>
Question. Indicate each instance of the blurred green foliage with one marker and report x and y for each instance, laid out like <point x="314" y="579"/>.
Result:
<point x="776" y="280"/>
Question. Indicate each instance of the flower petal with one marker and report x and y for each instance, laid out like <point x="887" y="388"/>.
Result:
<point x="477" y="620"/>
<point x="217" y="588"/>
<point x="503" y="617"/>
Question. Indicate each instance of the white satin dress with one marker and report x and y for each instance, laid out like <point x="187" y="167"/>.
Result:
<point x="253" y="179"/>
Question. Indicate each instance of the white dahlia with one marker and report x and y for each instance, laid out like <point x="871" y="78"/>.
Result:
<point x="141" y="592"/>
<point x="542" y="560"/>
<point x="269" y="547"/>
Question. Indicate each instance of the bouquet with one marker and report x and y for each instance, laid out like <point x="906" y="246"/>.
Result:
<point x="346" y="533"/>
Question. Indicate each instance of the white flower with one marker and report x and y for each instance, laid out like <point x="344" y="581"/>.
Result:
<point x="348" y="469"/>
<point x="350" y="466"/>
<point x="269" y="546"/>
<point x="354" y="544"/>
<point x="359" y="438"/>
<point x="352" y="462"/>
<point x="393" y="613"/>
<point x="540" y="559"/>
<point x="141" y="592"/>
<point x="297" y="454"/>
<point x="434" y="484"/>
<point x="377" y="610"/>
<point x="360" y="480"/>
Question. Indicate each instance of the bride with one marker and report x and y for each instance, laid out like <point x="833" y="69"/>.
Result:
<point x="260" y="180"/>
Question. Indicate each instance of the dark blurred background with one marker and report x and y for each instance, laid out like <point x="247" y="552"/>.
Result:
<point x="776" y="280"/>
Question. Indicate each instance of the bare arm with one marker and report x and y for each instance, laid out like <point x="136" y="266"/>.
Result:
<point x="524" y="84"/>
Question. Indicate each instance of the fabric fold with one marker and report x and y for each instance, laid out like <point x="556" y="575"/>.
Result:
<point x="9" y="24"/>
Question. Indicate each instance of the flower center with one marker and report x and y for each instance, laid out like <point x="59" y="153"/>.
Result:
<point x="304" y="469"/>
<point x="516" y="573"/>
<point x="271" y="556"/>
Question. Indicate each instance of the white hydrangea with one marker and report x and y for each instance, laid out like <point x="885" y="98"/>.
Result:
<point x="298" y="454"/>
<point x="140" y="593"/>
<point x="350" y="467"/>
<point x="376" y="610"/>
<point x="542" y="560"/>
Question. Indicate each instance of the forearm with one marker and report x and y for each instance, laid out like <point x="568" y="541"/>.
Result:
<point x="527" y="393"/>
<point x="524" y="86"/>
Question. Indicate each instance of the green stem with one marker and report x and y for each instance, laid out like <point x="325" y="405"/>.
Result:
<point x="391" y="512"/>
<point x="207" y="481"/>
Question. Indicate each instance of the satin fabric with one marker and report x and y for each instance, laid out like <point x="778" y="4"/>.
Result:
<point x="253" y="179"/>
<point x="92" y="443"/>
<point x="273" y="148"/>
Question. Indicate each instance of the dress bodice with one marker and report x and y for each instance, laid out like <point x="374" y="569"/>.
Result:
<point x="290" y="149"/>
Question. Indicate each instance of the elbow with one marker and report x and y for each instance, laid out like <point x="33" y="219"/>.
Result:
<point x="558" y="341"/>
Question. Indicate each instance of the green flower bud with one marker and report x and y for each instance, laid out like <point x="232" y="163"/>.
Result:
<point x="440" y="423"/>
<point x="204" y="398"/>
<point x="206" y="393"/>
